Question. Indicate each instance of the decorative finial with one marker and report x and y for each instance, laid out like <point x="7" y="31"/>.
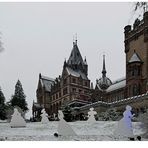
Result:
<point x="76" y="38"/>
<point x="65" y="59"/>
<point x="104" y="69"/>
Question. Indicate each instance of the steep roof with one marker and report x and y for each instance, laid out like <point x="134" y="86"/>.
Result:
<point x="135" y="58"/>
<point x="75" y="56"/>
<point x="118" y="84"/>
<point x="75" y="73"/>
<point x="46" y="82"/>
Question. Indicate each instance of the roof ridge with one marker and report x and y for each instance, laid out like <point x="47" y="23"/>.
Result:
<point x="47" y="78"/>
<point x="135" y="58"/>
<point x="118" y="80"/>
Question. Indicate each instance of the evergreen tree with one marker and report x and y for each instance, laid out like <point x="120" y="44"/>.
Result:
<point x="18" y="99"/>
<point x="2" y="106"/>
<point x="67" y="113"/>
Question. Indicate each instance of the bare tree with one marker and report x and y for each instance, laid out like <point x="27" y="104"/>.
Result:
<point x="141" y="5"/>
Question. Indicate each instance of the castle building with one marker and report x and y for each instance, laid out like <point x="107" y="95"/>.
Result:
<point x="71" y="87"/>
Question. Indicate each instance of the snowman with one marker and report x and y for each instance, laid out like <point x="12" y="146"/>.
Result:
<point x="91" y="115"/>
<point x="17" y="120"/>
<point x="64" y="129"/>
<point x="44" y="116"/>
<point x="124" y="128"/>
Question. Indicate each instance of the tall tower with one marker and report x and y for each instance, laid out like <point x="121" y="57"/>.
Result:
<point x="136" y="50"/>
<point x="104" y="82"/>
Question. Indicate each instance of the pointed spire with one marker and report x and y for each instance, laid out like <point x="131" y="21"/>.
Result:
<point x="65" y="63"/>
<point x="40" y="76"/>
<point x="76" y="39"/>
<point x="85" y="61"/>
<point x="104" y="69"/>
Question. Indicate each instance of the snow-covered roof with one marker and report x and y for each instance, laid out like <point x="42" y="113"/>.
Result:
<point x="120" y="83"/>
<point x="37" y="105"/>
<point x="47" y="82"/>
<point x="104" y="82"/>
<point x="135" y="58"/>
<point x="97" y="85"/>
<point x="76" y="73"/>
<point x="47" y="78"/>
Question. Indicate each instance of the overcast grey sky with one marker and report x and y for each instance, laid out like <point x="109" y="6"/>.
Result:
<point x="38" y="37"/>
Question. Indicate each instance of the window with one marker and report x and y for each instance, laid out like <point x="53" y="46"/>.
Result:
<point x="139" y="71"/>
<point x="73" y="89"/>
<point x="80" y="91"/>
<point x="73" y="80"/>
<point x="65" y="81"/>
<point x="65" y="91"/>
<point x="85" y="92"/>
<point x="85" y="83"/>
<point x="136" y="89"/>
<point x="56" y="96"/>
<point x="135" y="71"/>
<point x="59" y="94"/>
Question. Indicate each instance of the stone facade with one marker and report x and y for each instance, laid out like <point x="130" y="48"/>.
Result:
<point x="136" y="41"/>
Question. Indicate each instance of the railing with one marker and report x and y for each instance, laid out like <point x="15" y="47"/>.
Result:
<point x="122" y="101"/>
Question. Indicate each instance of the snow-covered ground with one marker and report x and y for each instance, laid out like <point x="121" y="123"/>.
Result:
<point x="98" y="131"/>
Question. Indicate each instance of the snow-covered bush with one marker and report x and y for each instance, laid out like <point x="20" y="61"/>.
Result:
<point x="109" y="115"/>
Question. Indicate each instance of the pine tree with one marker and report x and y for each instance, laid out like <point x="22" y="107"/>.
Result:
<point x="2" y="106"/>
<point x="18" y="99"/>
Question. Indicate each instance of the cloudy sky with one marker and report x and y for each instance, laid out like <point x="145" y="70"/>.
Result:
<point x="38" y="37"/>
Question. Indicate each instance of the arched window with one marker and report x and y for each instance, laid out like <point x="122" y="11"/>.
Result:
<point x="57" y="107"/>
